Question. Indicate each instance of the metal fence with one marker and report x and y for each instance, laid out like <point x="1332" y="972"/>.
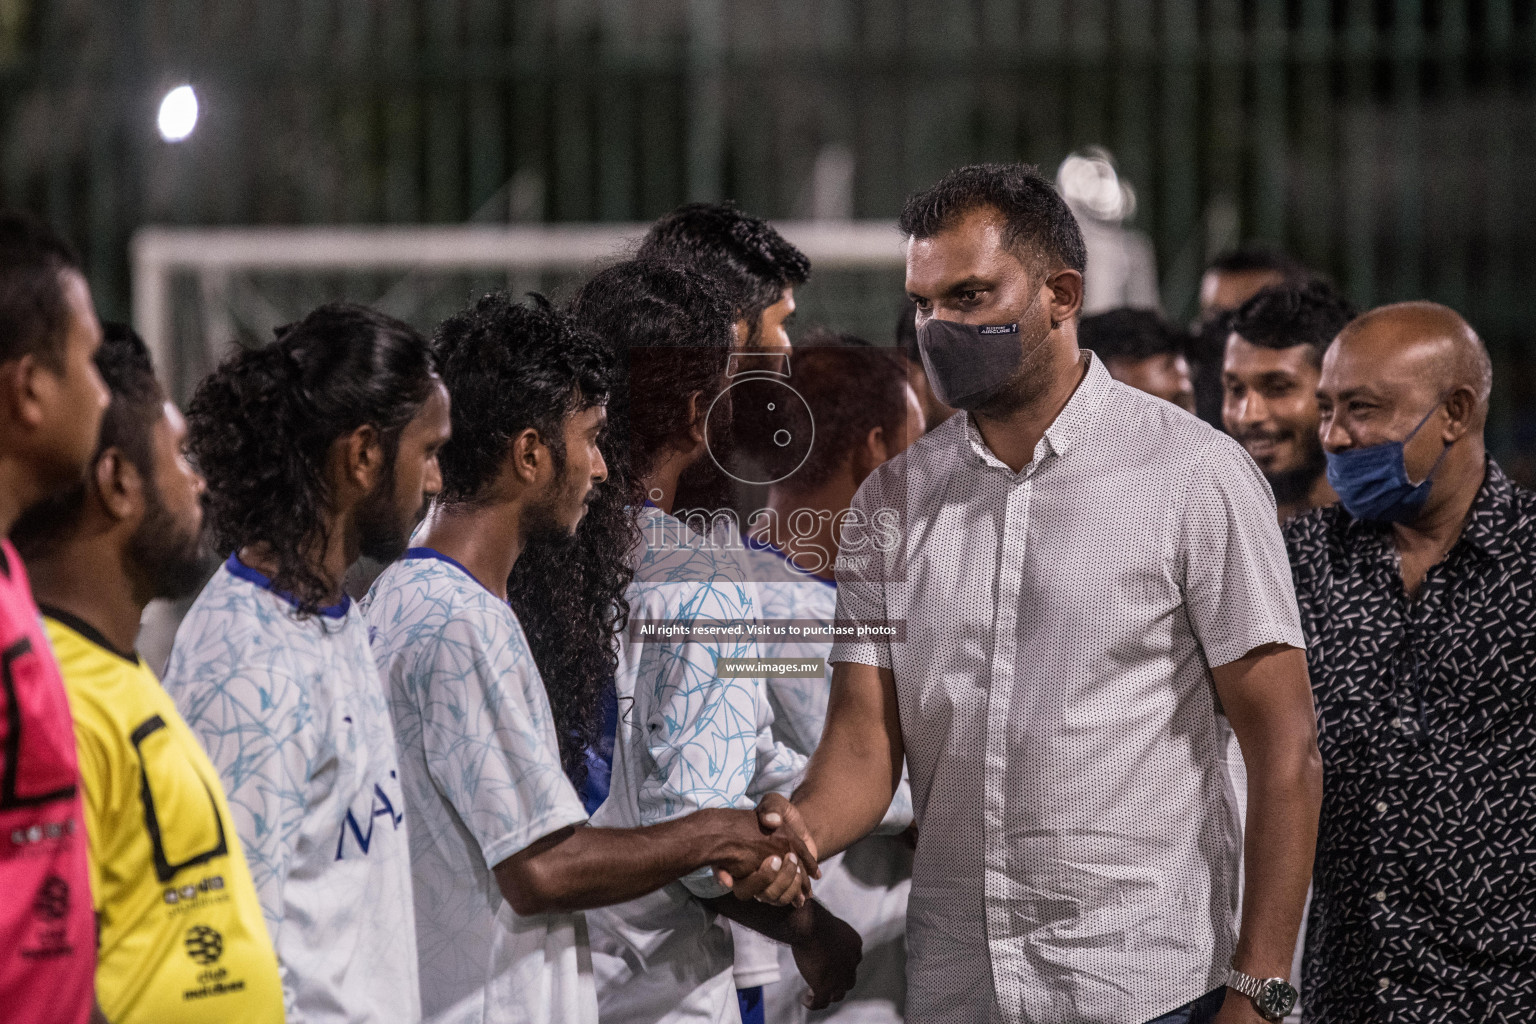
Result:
<point x="1386" y="142"/>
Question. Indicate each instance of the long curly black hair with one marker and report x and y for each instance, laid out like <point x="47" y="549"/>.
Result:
<point x="508" y="367"/>
<point x="570" y="597"/>
<point x="750" y="262"/>
<point x="261" y="428"/>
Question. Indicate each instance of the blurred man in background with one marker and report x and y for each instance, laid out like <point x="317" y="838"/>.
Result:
<point x="1142" y="349"/>
<point x="1230" y="280"/>
<point x="158" y="822"/>
<point x="1275" y="344"/>
<point x="51" y="404"/>
<point x="1416" y="595"/>
<point x="1123" y="259"/>
<point x="690" y="735"/>
<point x="318" y="448"/>
<point x="864" y="414"/>
<point x="1235" y="276"/>
<point x="934" y="411"/>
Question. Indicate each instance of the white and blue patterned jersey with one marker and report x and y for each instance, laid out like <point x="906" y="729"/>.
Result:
<point x="480" y="766"/>
<point x="687" y="739"/>
<point x="786" y="593"/>
<point x="800" y="704"/>
<point x="292" y="713"/>
<point x="868" y="884"/>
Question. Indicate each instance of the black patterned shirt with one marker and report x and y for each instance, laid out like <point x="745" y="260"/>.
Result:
<point x="1424" y="905"/>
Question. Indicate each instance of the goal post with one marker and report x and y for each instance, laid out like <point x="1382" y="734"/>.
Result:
<point x="856" y="280"/>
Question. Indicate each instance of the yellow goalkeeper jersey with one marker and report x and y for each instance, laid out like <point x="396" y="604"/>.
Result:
<point x="181" y="934"/>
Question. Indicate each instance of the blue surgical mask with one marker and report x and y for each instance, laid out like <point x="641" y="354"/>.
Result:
<point x="1372" y="482"/>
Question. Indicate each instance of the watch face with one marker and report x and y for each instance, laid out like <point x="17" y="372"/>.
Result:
<point x="1276" y="999"/>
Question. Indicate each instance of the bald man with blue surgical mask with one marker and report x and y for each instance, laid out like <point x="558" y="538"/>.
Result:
<point x="1416" y="597"/>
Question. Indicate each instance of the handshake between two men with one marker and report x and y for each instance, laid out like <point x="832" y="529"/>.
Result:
<point x="773" y="896"/>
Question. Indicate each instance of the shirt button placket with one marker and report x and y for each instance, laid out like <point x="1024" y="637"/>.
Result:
<point x="1000" y="692"/>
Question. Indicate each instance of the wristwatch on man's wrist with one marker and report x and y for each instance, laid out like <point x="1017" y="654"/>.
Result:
<point x="1271" y="997"/>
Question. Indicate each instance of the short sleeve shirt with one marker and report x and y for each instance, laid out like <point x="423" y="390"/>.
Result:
<point x="687" y="739"/>
<point x="1077" y="851"/>
<point x="480" y="767"/>
<point x="1424" y="887"/>
<point x="47" y="930"/>
<point x="293" y="715"/>
<point x="182" y="937"/>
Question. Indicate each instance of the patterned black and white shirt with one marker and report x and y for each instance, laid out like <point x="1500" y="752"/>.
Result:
<point x="1424" y="905"/>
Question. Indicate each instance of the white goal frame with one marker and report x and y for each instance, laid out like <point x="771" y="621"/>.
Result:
<point x="160" y="253"/>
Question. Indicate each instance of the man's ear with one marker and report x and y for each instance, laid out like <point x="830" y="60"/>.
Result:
<point x="1066" y="295"/>
<point x="20" y="391"/>
<point x="528" y="455"/>
<point x="1461" y="406"/>
<point x="869" y="456"/>
<point x="119" y="485"/>
<point x="363" y="450"/>
<point x="696" y="415"/>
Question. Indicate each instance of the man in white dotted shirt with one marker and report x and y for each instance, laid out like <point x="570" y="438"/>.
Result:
<point x="1085" y="579"/>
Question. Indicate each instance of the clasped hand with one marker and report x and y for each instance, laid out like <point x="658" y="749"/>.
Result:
<point x="783" y="877"/>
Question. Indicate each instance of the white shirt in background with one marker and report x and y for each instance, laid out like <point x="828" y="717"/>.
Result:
<point x="293" y="716"/>
<point x="480" y="768"/>
<point x="1077" y="849"/>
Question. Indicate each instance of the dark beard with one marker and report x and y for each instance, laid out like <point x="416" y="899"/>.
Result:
<point x="544" y="525"/>
<point x="381" y="535"/>
<point x="1295" y="485"/>
<point x="174" y="562"/>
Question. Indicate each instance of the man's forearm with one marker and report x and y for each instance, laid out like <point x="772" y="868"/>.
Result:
<point x="583" y="868"/>
<point x="1284" y="796"/>
<point x="838" y="816"/>
<point x="789" y="925"/>
<point x="857" y="765"/>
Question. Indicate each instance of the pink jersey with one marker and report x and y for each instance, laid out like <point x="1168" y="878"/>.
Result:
<point x="47" y="929"/>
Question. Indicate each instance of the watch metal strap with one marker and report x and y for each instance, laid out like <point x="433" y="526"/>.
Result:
<point x="1244" y="983"/>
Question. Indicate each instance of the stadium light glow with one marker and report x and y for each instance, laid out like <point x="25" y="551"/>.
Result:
<point x="178" y="114"/>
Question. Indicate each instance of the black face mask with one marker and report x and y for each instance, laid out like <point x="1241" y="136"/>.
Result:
<point x="969" y="364"/>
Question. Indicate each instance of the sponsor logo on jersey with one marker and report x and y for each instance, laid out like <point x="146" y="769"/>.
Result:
<point x="204" y="944"/>
<point x="52" y="900"/>
<point x="50" y="908"/>
<point x="382" y="807"/>
<point x="186" y="893"/>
